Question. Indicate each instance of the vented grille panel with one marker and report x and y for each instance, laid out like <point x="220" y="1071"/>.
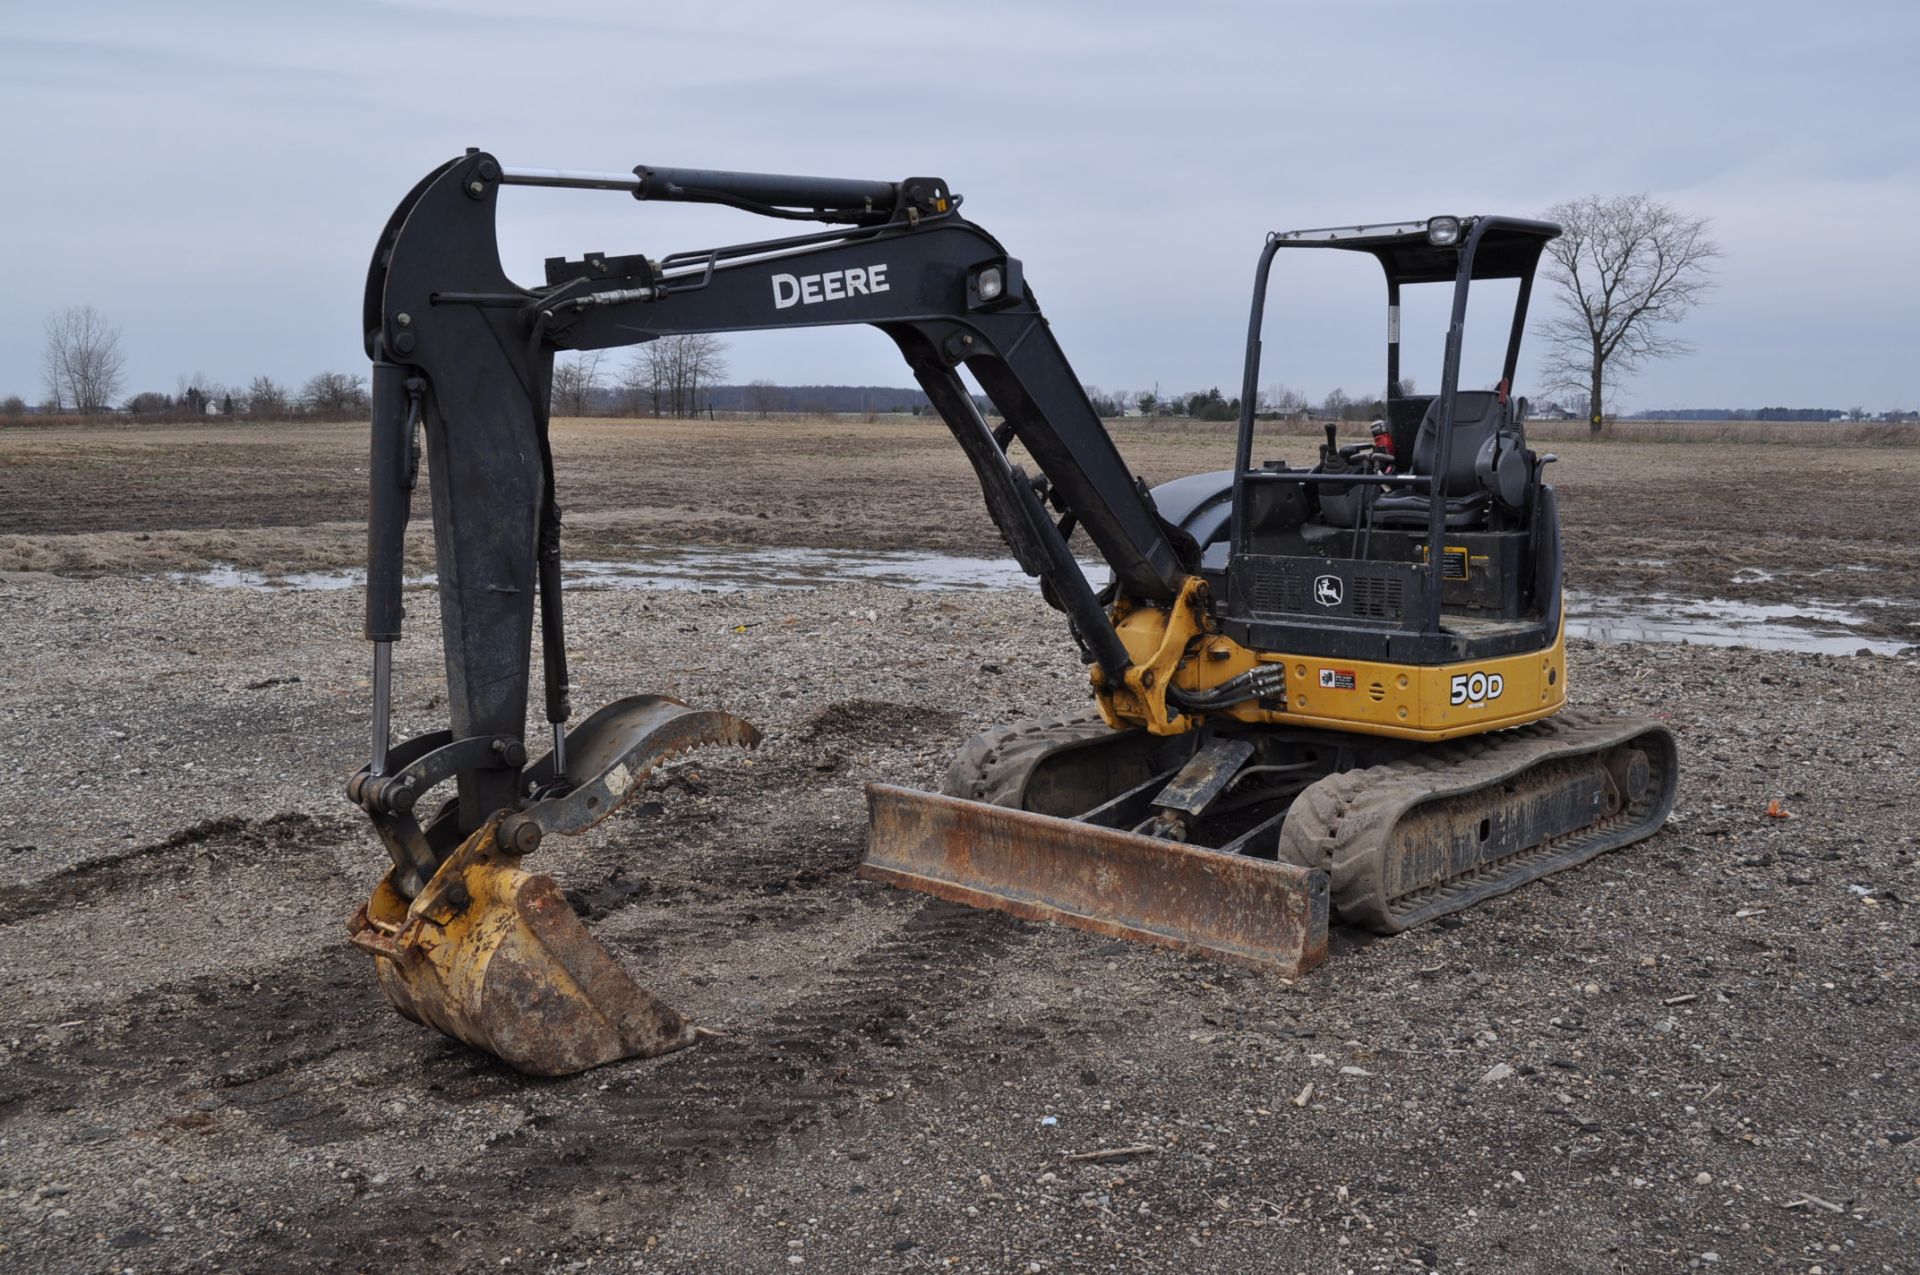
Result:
<point x="1291" y="587"/>
<point x="1276" y="587"/>
<point x="1378" y="599"/>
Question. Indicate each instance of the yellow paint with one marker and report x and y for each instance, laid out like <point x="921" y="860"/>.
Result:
<point x="1159" y="642"/>
<point x="1175" y="646"/>
<point x="491" y="955"/>
<point x="437" y="948"/>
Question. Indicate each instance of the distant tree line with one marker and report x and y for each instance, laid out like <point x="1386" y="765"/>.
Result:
<point x="1275" y="402"/>
<point x="668" y="376"/>
<point x="83" y="369"/>
<point x="682" y="376"/>
<point x="1770" y="414"/>
<point x="323" y="396"/>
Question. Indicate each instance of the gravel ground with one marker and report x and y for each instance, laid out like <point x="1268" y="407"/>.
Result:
<point x="1695" y="1053"/>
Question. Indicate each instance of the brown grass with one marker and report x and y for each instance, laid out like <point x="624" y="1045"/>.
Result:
<point x="132" y="498"/>
<point x="1737" y="432"/>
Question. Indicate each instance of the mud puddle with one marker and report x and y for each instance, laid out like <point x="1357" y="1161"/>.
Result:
<point x="1811" y="628"/>
<point x="724" y="570"/>
<point x="1816" y="628"/>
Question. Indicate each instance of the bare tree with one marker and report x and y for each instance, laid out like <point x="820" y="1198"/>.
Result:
<point x="1282" y="400"/>
<point x="575" y="382"/>
<point x="13" y="405"/>
<point x="673" y="371"/>
<point x="266" y="399"/>
<point x="83" y="359"/>
<point x="1628" y="269"/>
<point x="763" y="396"/>
<point x="703" y="363"/>
<point x="1336" y="405"/>
<point x="642" y="381"/>
<point x="334" y="394"/>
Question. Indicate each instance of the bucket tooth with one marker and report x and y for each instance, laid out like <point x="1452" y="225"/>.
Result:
<point x="1252" y="912"/>
<point x="495" y="957"/>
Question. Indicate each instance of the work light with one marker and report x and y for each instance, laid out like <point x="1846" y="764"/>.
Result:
<point x="994" y="284"/>
<point x="1443" y="232"/>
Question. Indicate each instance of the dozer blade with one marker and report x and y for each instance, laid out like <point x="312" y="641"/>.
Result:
<point x="494" y="956"/>
<point x="1252" y="912"/>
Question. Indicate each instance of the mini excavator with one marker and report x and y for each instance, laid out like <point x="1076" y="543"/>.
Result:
<point x="1333" y="690"/>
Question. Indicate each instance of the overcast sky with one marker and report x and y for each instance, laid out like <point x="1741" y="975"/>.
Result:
<point x="212" y="175"/>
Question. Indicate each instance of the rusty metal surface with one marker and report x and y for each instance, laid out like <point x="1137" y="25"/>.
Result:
<point x="1250" y="912"/>
<point x="495" y="957"/>
<point x="1206" y="775"/>
<point x="610" y="753"/>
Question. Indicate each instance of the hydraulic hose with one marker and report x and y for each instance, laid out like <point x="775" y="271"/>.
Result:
<point x="1255" y="683"/>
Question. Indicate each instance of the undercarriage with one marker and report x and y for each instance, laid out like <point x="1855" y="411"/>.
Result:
<point x="1380" y="834"/>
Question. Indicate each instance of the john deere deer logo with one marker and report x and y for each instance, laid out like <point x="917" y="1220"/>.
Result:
<point x="1327" y="591"/>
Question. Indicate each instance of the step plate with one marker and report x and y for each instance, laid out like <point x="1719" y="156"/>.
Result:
<point x="1251" y="912"/>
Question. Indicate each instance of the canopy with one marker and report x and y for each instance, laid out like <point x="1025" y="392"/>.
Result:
<point x="1509" y="247"/>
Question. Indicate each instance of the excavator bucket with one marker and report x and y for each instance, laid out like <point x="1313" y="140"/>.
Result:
<point x="494" y="956"/>
<point x="1252" y="912"/>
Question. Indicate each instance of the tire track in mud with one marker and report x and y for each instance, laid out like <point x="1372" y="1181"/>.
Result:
<point x="611" y="1160"/>
<point x="225" y="843"/>
<point x="263" y="1046"/>
<point x="304" y="1052"/>
<point x="224" y="1033"/>
<point x="861" y="1030"/>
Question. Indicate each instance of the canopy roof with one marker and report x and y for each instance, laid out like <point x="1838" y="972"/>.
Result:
<point x="1509" y="247"/>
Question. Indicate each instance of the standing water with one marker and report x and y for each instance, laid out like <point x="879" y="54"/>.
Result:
<point x="1656" y="617"/>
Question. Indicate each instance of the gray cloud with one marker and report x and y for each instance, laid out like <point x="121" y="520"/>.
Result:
<point x="213" y="174"/>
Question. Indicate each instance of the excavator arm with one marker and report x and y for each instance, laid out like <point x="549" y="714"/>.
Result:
<point x="462" y="366"/>
<point x="449" y="332"/>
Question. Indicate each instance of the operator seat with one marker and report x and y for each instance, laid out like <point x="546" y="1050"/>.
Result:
<point x="1478" y="415"/>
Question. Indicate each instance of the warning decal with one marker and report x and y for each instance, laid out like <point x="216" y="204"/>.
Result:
<point x="1336" y="679"/>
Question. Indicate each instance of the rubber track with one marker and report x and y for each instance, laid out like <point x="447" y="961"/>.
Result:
<point x="994" y="765"/>
<point x="1344" y="823"/>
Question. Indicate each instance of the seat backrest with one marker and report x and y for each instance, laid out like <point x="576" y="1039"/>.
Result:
<point x="1477" y="416"/>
